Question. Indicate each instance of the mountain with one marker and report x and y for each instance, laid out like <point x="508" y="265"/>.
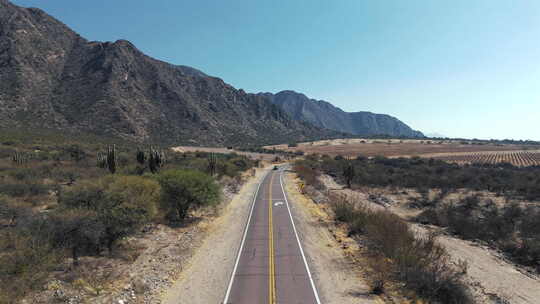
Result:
<point x="51" y="77"/>
<point x="435" y="135"/>
<point x="323" y="114"/>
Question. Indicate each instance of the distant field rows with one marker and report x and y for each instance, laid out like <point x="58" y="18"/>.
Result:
<point x="516" y="158"/>
<point x="399" y="148"/>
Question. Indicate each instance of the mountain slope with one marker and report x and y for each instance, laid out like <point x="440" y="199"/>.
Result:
<point x="325" y="115"/>
<point x="52" y="77"/>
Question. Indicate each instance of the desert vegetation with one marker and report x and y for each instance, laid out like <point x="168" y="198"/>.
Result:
<point x="62" y="199"/>
<point x="509" y="225"/>
<point x="512" y="229"/>
<point x="418" y="173"/>
<point x="395" y="252"/>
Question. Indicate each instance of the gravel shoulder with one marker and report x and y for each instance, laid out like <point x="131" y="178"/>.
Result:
<point x="204" y="279"/>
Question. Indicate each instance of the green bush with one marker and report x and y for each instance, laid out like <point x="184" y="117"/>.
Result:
<point x="183" y="190"/>
<point x="122" y="203"/>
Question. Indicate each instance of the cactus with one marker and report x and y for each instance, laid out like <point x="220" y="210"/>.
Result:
<point x="156" y="159"/>
<point x="20" y="158"/>
<point x="349" y="174"/>
<point x="212" y="164"/>
<point x="141" y="156"/>
<point x="102" y="160"/>
<point x="108" y="159"/>
<point x="111" y="158"/>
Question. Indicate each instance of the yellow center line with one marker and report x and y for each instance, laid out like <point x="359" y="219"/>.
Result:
<point x="271" y="264"/>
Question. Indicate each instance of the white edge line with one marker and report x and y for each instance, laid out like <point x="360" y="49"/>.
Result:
<point x="239" y="254"/>
<point x="298" y="240"/>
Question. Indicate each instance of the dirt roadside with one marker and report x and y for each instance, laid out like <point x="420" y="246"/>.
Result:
<point x="491" y="278"/>
<point x="331" y="255"/>
<point x="205" y="277"/>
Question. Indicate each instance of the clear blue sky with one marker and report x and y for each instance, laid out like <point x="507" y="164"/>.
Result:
<point x="467" y="68"/>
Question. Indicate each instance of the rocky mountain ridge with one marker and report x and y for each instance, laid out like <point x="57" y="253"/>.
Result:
<point x="51" y="77"/>
<point x="325" y="115"/>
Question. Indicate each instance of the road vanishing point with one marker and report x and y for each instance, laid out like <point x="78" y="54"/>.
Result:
<point x="271" y="266"/>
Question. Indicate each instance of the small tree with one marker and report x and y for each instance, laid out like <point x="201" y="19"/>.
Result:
<point x="122" y="204"/>
<point x="182" y="190"/>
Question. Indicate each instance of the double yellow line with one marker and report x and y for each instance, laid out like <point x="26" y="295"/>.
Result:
<point x="271" y="262"/>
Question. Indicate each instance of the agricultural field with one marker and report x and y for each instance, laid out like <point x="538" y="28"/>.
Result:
<point x="456" y="151"/>
<point x="516" y="158"/>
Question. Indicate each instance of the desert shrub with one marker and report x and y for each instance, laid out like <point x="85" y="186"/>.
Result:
<point x="344" y="210"/>
<point x="309" y="174"/>
<point x="122" y="203"/>
<point x="78" y="230"/>
<point x="26" y="189"/>
<point x="183" y="190"/>
<point x="136" y="192"/>
<point x="23" y="174"/>
<point x="510" y="228"/>
<point x="419" y="262"/>
<point x="11" y="211"/>
<point x="75" y="152"/>
<point x="420" y="173"/>
<point x="27" y="258"/>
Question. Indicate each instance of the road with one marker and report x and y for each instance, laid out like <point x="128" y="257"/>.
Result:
<point x="271" y="266"/>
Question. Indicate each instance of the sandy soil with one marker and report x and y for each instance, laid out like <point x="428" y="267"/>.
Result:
<point x="490" y="277"/>
<point x="394" y="147"/>
<point x="336" y="274"/>
<point x="205" y="278"/>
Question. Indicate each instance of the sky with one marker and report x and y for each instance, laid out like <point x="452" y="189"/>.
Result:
<point x="460" y="68"/>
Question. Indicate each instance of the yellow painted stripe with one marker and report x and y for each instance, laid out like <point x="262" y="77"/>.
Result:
<point x="271" y="263"/>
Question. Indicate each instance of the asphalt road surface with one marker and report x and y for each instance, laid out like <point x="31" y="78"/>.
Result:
<point x="271" y="266"/>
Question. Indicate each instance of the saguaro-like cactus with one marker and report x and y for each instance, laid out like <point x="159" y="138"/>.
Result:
<point x="212" y="164"/>
<point x="111" y="158"/>
<point x="108" y="159"/>
<point x="156" y="159"/>
<point x="141" y="156"/>
<point x="20" y="158"/>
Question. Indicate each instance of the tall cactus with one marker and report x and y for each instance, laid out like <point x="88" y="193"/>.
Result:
<point x="111" y="158"/>
<point x="141" y="156"/>
<point x="20" y="158"/>
<point x="349" y="174"/>
<point x="102" y="160"/>
<point x="212" y="164"/>
<point x="156" y="159"/>
<point x="108" y="159"/>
